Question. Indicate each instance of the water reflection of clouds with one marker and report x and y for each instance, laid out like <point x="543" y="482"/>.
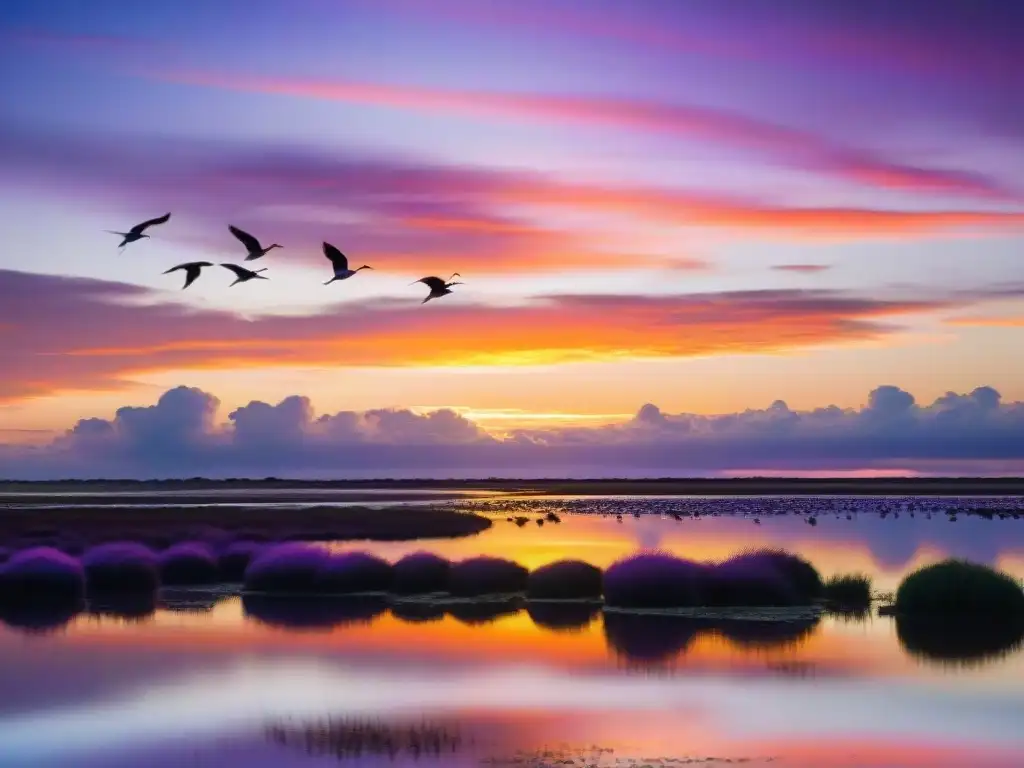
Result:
<point x="245" y="694"/>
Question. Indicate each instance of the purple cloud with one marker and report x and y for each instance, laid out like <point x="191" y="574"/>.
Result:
<point x="176" y="438"/>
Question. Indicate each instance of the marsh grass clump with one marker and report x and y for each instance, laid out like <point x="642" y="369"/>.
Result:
<point x="804" y="577"/>
<point x="848" y="593"/>
<point x="121" y="568"/>
<point x="282" y="568"/>
<point x="748" y="582"/>
<point x="189" y="563"/>
<point x="312" y="613"/>
<point x="486" y="576"/>
<point x="563" y="617"/>
<point x="127" y="606"/>
<point x="41" y="575"/>
<point x="420" y="573"/>
<point x="653" y="580"/>
<point x="235" y="558"/>
<point x="351" y="572"/>
<point x="956" y="588"/>
<point x="564" y="580"/>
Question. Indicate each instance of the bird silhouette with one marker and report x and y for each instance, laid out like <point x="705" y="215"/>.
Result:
<point x="438" y="287"/>
<point x="245" y="275"/>
<point x="192" y="270"/>
<point x="252" y="245"/>
<point x="340" y="263"/>
<point x="136" y="232"/>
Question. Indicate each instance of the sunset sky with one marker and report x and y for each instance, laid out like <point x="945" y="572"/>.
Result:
<point x="696" y="236"/>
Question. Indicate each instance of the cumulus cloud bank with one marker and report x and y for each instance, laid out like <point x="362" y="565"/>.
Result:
<point x="180" y="437"/>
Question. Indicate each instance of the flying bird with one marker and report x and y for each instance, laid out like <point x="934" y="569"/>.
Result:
<point x="252" y="245"/>
<point x="340" y="263"/>
<point x="438" y="287"/>
<point x="192" y="270"/>
<point x="245" y="275"/>
<point x="136" y="232"/>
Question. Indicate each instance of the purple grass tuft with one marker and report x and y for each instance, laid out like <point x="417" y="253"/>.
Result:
<point x="121" y="567"/>
<point x="747" y="581"/>
<point x="313" y="613"/>
<point x="563" y="617"/>
<point x="351" y="572"/>
<point x="235" y="558"/>
<point x="477" y="614"/>
<point x="804" y="578"/>
<point x="486" y="576"/>
<point x="188" y="563"/>
<point x="420" y="573"/>
<point x="565" y="580"/>
<point x="653" y="580"/>
<point x="41" y="575"/>
<point x="647" y="640"/>
<point x="291" y="567"/>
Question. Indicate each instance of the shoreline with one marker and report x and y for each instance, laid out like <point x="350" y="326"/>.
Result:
<point x="368" y="491"/>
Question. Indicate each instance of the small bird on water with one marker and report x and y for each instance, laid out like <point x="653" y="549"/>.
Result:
<point x="136" y="232"/>
<point x="340" y="263"/>
<point x="192" y="270"/>
<point x="252" y="245"/>
<point x="438" y="287"/>
<point x="245" y="275"/>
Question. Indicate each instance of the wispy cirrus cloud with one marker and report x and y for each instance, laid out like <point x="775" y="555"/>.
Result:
<point x="120" y="330"/>
<point x="413" y="211"/>
<point x="781" y="144"/>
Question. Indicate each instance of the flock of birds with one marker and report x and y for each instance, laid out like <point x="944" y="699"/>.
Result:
<point x="255" y="250"/>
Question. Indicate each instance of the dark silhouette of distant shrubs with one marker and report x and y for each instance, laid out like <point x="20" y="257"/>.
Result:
<point x="420" y="573"/>
<point x="848" y="593"/>
<point x="189" y="564"/>
<point x="563" y="616"/>
<point x="354" y="572"/>
<point x="653" y="580"/>
<point x="746" y="581"/>
<point x="312" y="613"/>
<point x="955" y="588"/>
<point x="960" y="640"/>
<point x="486" y="576"/>
<point x="121" y="568"/>
<point x="564" y="580"/>
<point x="235" y="558"/>
<point x="41" y="575"/>
<point x="129" y="606"/>
<point x="804" y="577"/>
<point x="289" y="567"/>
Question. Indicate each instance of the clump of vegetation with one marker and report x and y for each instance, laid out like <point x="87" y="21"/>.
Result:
<point x="563" y="617"/>
<point x="751" y="634"/>
<point x="127" y="606"/>
<point x="746" y="581"/>
<point x="486" y="576"/>
<point x="235" y="558"/>
<point x="959" y="589"/>
<point x="121" y="568"/>
<point x="187" y="564"/>
<point x="653" y="580"/>
<point x="286" y="568"/>
<point x="849" y="592"/>
<point x="420" y="573"/>
<point x="804" y="577"/>
<point x="564" y="580"/>
<point x="41" y="575"/>
<point x="352" y="572"/>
